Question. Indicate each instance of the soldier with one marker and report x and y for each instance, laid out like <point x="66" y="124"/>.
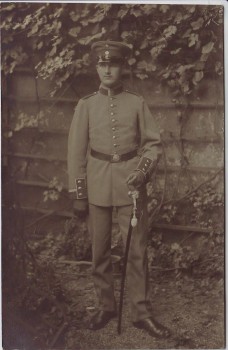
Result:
<point x="113" y="146"/>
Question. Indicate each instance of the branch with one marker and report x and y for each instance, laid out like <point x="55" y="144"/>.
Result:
<point x="158" y="208"/>
<point x="188" y="194"/>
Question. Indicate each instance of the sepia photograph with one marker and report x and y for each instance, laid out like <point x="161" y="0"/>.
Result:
<point x="113" y="175"/>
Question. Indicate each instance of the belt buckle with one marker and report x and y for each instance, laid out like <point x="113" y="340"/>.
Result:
<point x="115" y="158"/>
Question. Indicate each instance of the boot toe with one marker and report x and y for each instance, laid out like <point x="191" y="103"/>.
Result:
<point x="153" y="328"/>
<point x="100" y="319"/>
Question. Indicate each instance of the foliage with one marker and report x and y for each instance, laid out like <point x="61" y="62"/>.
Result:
<point x="202" y="207"/>
<point x="76" y="244"/>
<point x="205" y="208"/>
<point x="177" y="45"/>
<point x="205" y="260"/>
<point x="55" y="188"/>
<point x="31" y="287"/>
<point x="30" y="121"/>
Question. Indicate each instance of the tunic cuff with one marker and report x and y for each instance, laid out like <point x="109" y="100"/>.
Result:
<point x="80" y="189"/>
<point x="145" y="165"/>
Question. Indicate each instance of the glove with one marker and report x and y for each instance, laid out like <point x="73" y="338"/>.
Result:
<point x="80" y="208"/>
<point x="135" y="180"/>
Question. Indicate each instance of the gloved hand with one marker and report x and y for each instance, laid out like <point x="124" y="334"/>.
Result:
<point x="80" y="207"/>
<point x="135" y="180"/>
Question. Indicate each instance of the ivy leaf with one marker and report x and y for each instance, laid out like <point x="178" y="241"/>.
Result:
<point x="155" y="51"/>
<point x="208" y="47"/>
<point x="218" y="68"/>
<point x="97" y="18"/>
<point x="74" y="31"/>
<point x="164" y="8"/>
<point x="144" y="44"/>
<point x="185" y="87"/>
<point x="168" y="32"/>
<point x="34" y="30"/>
<point x="171" y="83"/>
<point x="8" y="7"/>
<point x="142" y="65"/>
<point x="197" y="24"/>
<point x="131" y="61"/>
<point x="124" y="35"/>
<point x="193" y="39"/>
<point x="191" y="9"/>
<point x="197" y="77"/>
<point x="136" y="12"/>
<point x="175" y="246"/>
<point x="178" y="18"/>
<point x="40" y="45"/>
<point x="74" y="16"/>
<point x="187" y="33"/>
<point x="147" y="9"/>
<point x="87" y="40"/>
<point x="174" y="52"/>
<point x="183" y="68"/>
<point x="122" y="12"/>
<point x="149" y="67"/>
<point x="166" y="75"/>
<point x="141" y="76"/>
<point x="53" y="51"/>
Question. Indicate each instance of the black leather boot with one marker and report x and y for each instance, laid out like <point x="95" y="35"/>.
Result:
<point x="153" y="328"/>
<point x="100" y="319"/>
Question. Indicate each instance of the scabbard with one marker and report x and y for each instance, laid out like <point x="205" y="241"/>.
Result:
<point x="124" y="275"/>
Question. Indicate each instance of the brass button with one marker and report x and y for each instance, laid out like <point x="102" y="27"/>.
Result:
<point x="112" y="113"/>
<point x="115" y="145"/>
<point x="111" y="105"/>
<point x="114" y="137"/>
<point x="113" y="129"/>
<point x="113" y="120"/>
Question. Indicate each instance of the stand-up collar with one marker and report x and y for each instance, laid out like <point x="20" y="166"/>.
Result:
<point x="112" y="91"/>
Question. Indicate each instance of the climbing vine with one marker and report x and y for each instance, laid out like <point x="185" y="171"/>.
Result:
<point x="178" y="45"/>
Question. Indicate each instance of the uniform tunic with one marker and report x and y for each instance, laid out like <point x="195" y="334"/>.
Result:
<point x="111" y="122"/>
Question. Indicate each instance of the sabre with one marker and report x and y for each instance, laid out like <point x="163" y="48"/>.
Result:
<point x="133" y="223"/>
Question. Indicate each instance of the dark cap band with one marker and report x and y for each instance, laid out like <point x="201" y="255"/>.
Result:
<point x="110" y="51"/>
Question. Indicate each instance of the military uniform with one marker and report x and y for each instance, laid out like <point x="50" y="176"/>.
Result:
<point x="112" y="134"/>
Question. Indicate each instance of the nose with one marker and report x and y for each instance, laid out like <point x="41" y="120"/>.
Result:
<point x="107" y="69"/>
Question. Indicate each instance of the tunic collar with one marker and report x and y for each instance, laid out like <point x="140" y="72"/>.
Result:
<point x="111" y="92"/>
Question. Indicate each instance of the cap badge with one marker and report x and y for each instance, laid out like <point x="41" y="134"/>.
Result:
<point x="106" y="55"/>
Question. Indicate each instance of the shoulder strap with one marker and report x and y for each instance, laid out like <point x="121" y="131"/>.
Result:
<point x="90" y="95"/>
<point x="132" y="92"/>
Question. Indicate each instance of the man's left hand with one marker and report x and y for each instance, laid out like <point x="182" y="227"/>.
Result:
<point x="135" y="180"/>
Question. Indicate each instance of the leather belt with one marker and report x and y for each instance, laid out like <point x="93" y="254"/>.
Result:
<point x="113" y="158"/>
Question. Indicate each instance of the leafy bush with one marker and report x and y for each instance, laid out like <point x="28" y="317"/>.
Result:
<point x="76" y="244"/>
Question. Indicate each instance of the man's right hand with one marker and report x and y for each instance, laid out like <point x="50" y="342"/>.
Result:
<point x="80" y="207"/>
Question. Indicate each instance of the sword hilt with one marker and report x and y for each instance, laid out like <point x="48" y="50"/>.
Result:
<point x="134" y="195"/>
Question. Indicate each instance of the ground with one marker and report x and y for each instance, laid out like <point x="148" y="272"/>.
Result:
<point x="194" y="315"/>
<point x="191" y="306"/>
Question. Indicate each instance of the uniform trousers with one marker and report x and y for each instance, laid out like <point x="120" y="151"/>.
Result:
<point x="137" y="268"/>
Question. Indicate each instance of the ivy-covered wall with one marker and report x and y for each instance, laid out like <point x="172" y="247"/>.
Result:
<point x="37" y="147"/>
<point x="176" y="64"/>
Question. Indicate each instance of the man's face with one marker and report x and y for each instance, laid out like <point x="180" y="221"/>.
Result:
<point x="109" y="73"/>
